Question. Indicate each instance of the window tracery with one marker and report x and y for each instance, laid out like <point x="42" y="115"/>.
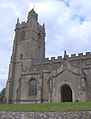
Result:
<point x="32" y="87"/>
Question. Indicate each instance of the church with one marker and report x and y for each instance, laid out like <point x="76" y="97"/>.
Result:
<point x="33" y="78"/>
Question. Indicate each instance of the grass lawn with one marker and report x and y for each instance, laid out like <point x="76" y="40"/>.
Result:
<point x="68" y="106"/>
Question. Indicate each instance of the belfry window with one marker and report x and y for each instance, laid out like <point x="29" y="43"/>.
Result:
<point x="21" y="56"/>
<point x="32" y="87"/>
<point x="39" y="38"/>
<point x="22" y="35"/>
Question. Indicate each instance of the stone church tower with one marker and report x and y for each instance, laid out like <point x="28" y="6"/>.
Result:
<point x="34" y="79"/>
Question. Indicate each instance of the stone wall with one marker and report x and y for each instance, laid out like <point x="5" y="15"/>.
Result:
<point x="46" y="115"/>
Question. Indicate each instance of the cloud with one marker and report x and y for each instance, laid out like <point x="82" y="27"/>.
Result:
<point x="67" y="25"/>
<point x="11" y="6"/>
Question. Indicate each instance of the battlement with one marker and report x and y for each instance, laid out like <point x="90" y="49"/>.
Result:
<point x="81" y="55"/>
<point x="72" y="56"/>
<point x="41" y="27"/>
<point x="23" y="24"/>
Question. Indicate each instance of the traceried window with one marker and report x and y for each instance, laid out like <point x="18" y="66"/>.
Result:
<point x="32" y="87"/>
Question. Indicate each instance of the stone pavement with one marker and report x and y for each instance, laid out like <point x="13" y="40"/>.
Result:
<point x="46" y="115"/>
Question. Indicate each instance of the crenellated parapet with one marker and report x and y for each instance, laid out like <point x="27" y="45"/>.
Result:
<point x="53" y="59"/>
<point x="41" y="28"/>
<point x="72" y="56"/>
<point x="81" y="55"/>
<point x="78" y="60"/>
<point x="21" y="25"/>
<point x="53" y="62"/>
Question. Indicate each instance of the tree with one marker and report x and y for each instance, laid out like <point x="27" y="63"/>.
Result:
<point x="2" y="95"/>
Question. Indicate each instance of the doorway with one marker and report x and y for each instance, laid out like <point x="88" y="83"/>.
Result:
<point x="66" y="93"/>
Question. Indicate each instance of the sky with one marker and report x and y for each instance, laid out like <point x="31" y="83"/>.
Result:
<point x="67" y="23"/>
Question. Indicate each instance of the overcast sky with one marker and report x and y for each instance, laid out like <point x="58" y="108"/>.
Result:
<point x="67" y="22"/>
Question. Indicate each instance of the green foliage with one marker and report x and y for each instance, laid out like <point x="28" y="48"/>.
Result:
<point x="2" y="95"/>
<point x="69" y="106"/>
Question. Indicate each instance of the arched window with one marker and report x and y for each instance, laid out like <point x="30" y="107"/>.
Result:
<point x="32" y="87"/>
<point x="21" y="56"/>
<point x="22" y="35"/>
<point x="39" y="38"/>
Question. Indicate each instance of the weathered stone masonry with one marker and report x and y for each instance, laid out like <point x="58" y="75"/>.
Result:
<point x="33" y="78"/>
<point x="46" y="115"/>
